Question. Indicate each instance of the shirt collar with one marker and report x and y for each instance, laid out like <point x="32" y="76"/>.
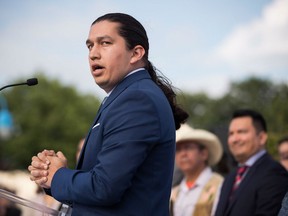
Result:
<point x="130" y="73"/>
<point x="134" y="71"/>
<point x="201" y="180"/>
<point x="203" y="176"/>
<point x="254" y="158"/>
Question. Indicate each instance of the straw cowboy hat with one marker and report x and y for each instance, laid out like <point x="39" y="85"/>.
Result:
<point x="203" y="137"/>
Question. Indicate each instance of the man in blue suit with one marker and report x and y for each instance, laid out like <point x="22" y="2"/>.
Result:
<point x="126" y="163"/>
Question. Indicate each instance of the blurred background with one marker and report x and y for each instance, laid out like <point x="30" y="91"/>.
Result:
<point x="220" y="55"/>
<point x="198" y="45"/>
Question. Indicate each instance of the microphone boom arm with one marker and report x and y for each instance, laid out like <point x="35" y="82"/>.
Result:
<point x="30" y="82"/>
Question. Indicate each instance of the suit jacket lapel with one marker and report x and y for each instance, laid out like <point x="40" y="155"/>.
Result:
<point x="120" y="88"/>
<point x="245" y="182"/>
<point x="80" y="160"/>
<point x="227" y="191"/>
<point x="143" y="74"/>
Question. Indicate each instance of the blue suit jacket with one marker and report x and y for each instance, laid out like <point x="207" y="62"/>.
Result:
<point x="260" y="192"/>
<point x="126" y="164"/>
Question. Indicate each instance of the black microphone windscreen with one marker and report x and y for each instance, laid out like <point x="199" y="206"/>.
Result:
<point x="32" y="81"/>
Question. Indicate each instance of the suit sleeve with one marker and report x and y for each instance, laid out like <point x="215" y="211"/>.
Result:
<point x="131" y="129"/>
<point x="271" y="192"/>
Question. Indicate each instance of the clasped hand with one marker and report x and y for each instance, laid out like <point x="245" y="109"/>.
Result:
<point x="44" y="166"/>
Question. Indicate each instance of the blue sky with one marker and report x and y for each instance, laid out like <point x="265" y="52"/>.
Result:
<point x="198" y="45"/>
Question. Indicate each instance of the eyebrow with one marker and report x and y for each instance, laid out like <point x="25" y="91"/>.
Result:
<point x="88" y="41"/>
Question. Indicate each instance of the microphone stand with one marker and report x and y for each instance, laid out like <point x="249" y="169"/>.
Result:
<point x="29" y="82"/>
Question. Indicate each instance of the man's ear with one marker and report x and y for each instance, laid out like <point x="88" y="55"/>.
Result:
<point x="263" y="137"/>
<point x="137" y="54"/>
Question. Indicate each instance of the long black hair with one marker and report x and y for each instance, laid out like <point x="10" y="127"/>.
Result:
<point x="134" y="34"/>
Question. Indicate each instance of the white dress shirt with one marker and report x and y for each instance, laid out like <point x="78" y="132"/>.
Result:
<point x="187" y="198"/>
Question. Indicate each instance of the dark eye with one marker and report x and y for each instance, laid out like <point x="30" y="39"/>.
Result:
<point x="89" y="46"/>
<point x="105" y="43"/>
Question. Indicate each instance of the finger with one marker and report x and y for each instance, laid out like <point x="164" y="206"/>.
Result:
<point x="43" y="157"/>
<point x="41" y="181"/>
<point x="49" y="152"/>
<point x="30" y="168"/>
<point x="39" y="173"/>
<point x="61" y="155"/>
<point x="35" y="158"/>
<point x="39" y="165"/>
<point x="63" y="158"/>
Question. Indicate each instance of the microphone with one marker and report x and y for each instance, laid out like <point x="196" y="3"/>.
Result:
<point x="29" y="82"/>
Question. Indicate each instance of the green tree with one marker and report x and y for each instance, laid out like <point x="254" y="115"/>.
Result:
<point x="260" y="94"/>
<point x="47" y="116"/>
<point x="53" y="116"/>
<point x="268" y="98"/>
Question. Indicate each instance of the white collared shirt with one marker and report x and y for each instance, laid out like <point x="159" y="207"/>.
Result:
<point x="187" y="198"/>
<point x="254" y="158"/>
<point x="134" y="71"/>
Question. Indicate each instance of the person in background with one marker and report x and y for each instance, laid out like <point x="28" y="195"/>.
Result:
<point x="197" y="151"/>
<point x="126" y="164"/>
<point x="259" y="184"/>
<point x="283" y="151"/>
<point x="283" y="157"/>
<point x="284" y="208"/>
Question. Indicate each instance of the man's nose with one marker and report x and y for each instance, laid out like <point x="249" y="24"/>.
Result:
<point x="233" y="138"/>
<point x="94" y="53"/>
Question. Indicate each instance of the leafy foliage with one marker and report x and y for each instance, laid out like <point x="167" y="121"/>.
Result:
<point x="47" y="116"/>
<point x="54" y="116"/>
<point x="268" y="98"/>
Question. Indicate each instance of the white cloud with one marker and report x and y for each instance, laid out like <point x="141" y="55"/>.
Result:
<point x="260" y="45"/>
<point x="215" y="85"/>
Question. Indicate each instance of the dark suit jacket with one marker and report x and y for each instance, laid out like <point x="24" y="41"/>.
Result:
<point x="126" y="164"/>
<point x="259" y="193"/>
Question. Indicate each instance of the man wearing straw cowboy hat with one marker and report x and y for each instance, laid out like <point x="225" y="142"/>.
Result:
<point x="196" y="151"/>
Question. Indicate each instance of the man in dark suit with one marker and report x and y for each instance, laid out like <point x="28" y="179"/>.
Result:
<point x="126" y="164"/>
<point x="262" y="186"/>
